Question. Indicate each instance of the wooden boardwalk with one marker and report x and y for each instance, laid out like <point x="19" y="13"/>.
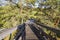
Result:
<point x="30" y="31"/>
<point x="30" y="34"/>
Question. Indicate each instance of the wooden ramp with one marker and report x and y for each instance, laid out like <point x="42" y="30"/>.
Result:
<point x="30" y="34"/>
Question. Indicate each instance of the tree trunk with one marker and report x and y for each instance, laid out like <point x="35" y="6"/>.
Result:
<point x="56" y="22"/>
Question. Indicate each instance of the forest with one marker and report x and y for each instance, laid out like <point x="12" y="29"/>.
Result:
<point x="47" y="12"/>
<point x="16" y="12"/>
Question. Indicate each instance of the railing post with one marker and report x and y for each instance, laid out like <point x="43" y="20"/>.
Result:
<point x="19" y="34"/>
<point x="24" y="34"/>
<point x="10" y="36"/>
<point x="2" y="39"/>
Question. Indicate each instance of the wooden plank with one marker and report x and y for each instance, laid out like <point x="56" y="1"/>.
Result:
<point x="6" y="32"/>
<point x="30" y="34"/>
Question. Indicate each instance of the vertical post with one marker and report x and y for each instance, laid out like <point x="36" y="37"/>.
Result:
<point x="20" y="34"/>
<point x="10" y="36"/>
<point x="24" y="34"/>
<point x="2" y="39"/>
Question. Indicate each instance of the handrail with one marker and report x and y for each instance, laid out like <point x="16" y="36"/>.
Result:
<point x="6" y="32"/>
<point x="44" y="26"/>
<point x="41" y="35"/>
<point x="20" y="31"/>
<point x="21" y="28"/>
<point x="55" y="30"/>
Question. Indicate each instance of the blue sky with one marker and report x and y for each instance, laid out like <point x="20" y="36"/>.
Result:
<point x="15" y="1"/>
<point x="3" y="2"/>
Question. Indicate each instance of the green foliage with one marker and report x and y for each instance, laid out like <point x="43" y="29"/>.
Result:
<point x="9" y="16"/>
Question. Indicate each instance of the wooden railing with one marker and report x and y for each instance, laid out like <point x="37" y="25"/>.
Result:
<point x="35" y="27"/>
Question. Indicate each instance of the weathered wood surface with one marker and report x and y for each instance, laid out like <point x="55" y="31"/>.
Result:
<point x="32" y="32"/>
<point x="6" y="32"/>
<point x="30" y="35"/>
